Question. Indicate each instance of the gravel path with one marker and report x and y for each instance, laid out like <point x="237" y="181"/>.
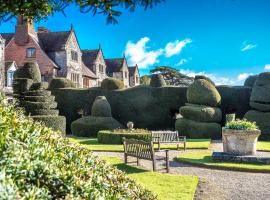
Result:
<point x="215" y="184"/>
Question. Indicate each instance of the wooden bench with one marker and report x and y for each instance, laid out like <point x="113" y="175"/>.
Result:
<point x="168" y="137"/>
<point x="143" y="150"/>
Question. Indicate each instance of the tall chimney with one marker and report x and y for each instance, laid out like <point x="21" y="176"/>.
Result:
<point x="24" y="28"/>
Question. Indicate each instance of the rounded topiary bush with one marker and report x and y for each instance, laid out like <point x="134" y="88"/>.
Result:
<point x="57" y="83"/>
<point x="101" y="107"/>
<point x="21" y="85"/>
<point x="194" y="129"/>
<point x="116" y="136"/>
<point x="157" y="80"/>
<point x="37" y="93"/>
<point x="260" y="94"/>
<point x="56" y="123"/>
<point x="250" y="81"/>
<point x="31" y="105"/>
<point x="202" y="92"/>
<point x="39" y="98"/>
<point x="89" y="126"/>
<point x="44" y="112"/>
<point x="39" y="86"/>
<point x="197" y="77"/>
<point x="201" y="113"/>
<point x="263" y="79"/>
<point x="30" y="70"/>
<point x="112" y="84"/>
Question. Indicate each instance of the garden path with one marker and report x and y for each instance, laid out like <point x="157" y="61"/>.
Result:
<point x="215" y="184"/>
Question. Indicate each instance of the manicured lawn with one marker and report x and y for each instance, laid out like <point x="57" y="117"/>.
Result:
<point x="205" y="159"/>
<point x="92" y="144"/>
<point x="263" y="146"/>
<point x="165" y="186"/>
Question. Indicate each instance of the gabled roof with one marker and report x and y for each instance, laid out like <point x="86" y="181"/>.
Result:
<point x="53" y="41"/>
<point x="7" y="37"/>
<point x="8" y="65"/>
<point x="114" y="65"/>
<point x="87" y="72"/>
<point x="132" y="70"/>
<point x="89" y="57"/>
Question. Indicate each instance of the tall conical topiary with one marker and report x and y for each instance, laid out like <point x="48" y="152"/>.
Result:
<point x="157" y="80"/>
<point x="36" y="99"/>
<point x="100" y="119"/>
<point x="201" y="116"/>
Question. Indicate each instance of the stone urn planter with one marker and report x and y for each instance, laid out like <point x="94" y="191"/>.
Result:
<point x="240" y="142"/>
<point x="130" y="125"/>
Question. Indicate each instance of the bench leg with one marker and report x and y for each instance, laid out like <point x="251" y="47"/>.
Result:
<point x="125" y="158"/>
<point x="167" y="161"/>
<point x="177" y="146"/>
<point x="185" y="146"/>
<point x="154" y="165"/>
<point x="138" y="161"/>
<point x="159" y="146"/>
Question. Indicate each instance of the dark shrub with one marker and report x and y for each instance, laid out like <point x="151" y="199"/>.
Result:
<point x="89" y="126"/>
<point x="262" y="120"/>
<point x="39" y="86"/>
<point x="201" y="113"/>
<point x="56" y="123"/>
<point x="31" y="105"/>
<point x="260" y="106"/>
<point x="45" y="112"/>
<point x="263" y="79"/>
<point x="157" y="80"/>
<point x="57" y="83"/>
<point x="250" y="81"/>
<point x="202" y="92"/>
<point x="194" y="129"/>
<point x="39" y="98"/>
<point x="101" y="107"/>
<point x="115" y="136"/>
<point x="37" y="93"/>
<point x="21" y="85"/>
<point x="112" y="84"/>
<point x="197" y="77"/>
<point x="30" y="70"/>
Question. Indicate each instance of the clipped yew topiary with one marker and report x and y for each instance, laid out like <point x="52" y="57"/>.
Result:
<point x="197" y="77"/>
<point x="250" y="81"/>
<point x="157" y="80"/>
<point x="21" y="85"/>
<point x="57" y="83"/>
<point x="201" y="116"/>
<point x="101" y="119"/>
<point x="30" y="70"/>
<point x="203" y="92"/>
<point x="112" y="84"/>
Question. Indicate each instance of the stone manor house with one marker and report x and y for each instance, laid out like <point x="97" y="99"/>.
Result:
<point x="58" y="54"/>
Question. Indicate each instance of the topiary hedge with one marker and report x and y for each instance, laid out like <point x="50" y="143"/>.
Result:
<point x="89" y="126"/>
<point x="57" y="83"/>
<point x="30" y="70"/>
<point x="39" y="98"/>
<point x="56" y="123"/>
<point x="201" y="113"/>
<point x="39" y="86"/>
<point x="31" y="105"/>
<point x="115" y="136"/>
<point x="45" y="112"/>
<point x="37" y="163"/>
<point x="250" y="81"/>
<point x="157" y="80"/>
<point x="37" y="93"/>
<point x="202" y="92"/>
<point x="21" y="85"/>
<point x="112" y="84"/>
<point x="197" y="77"/>
<point x="101" y="107"/>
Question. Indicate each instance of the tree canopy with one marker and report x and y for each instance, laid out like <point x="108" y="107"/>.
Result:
<point x="172" y="76"/>
<point x="40" y="9"/>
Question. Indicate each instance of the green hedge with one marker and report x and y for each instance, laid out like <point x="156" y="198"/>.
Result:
<point x="157" y="80"/>
<point x="101" y="107"/>
<point x="21" y="85"/>
<point x="115" y="136"/>
<point x="39" y="86"/>
<point x="45" y="112"/>
<point x="37" y="93"/>
<point x="112" y="84"/>
<point x="57" y="83"/>
<point x="90" y="126"/>
<point x="250" y="81"/>
<point x="30" y="106"/>
<point x="30" y="70"/>
<point x="56" y="123"/>
<point x="39" y="98"/>
<point x="197" y="77"/>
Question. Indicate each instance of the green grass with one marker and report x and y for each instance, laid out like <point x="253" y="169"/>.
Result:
<point x="204" y="158"/>
<point x="263" y="146"/>
<point x="92" y="144"/>
<point x="165" y="186"/>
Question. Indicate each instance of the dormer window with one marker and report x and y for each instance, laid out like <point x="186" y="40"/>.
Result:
<point x="31" y="52"/>
<point x="74" y="56"/>
<point x="101" y="69"/>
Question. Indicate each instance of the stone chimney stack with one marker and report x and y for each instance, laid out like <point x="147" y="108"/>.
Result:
<point x="43" y="29"/>
<point x="24" y="29"/>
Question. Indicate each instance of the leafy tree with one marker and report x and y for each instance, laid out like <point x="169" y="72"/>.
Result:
<point x="172" y="76"/>
<point x="39" y="9"/>
<point x="145" y="80"/>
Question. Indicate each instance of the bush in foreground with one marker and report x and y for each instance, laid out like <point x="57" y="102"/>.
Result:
<point x="37" y="163"/>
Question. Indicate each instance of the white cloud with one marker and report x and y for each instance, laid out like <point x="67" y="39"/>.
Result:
<point x="137" y="53"/>
<point x="246" y="46"/>
<point x="267" y="67"/>
<point x="182" y="61"/>
<point x="174" y="48"/>
<point x="218" y="80"/>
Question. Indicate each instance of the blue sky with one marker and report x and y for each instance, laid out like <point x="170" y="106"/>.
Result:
<point x="224" y="39"/>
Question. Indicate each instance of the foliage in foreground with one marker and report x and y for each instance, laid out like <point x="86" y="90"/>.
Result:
<point x="36" y="163"/>
<point x="241" y="125"/>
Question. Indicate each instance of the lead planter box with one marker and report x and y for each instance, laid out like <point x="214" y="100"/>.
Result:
<point x="240" y="142"/>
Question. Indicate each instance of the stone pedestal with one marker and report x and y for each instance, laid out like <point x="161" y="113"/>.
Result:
<point x="240" y="142"/>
